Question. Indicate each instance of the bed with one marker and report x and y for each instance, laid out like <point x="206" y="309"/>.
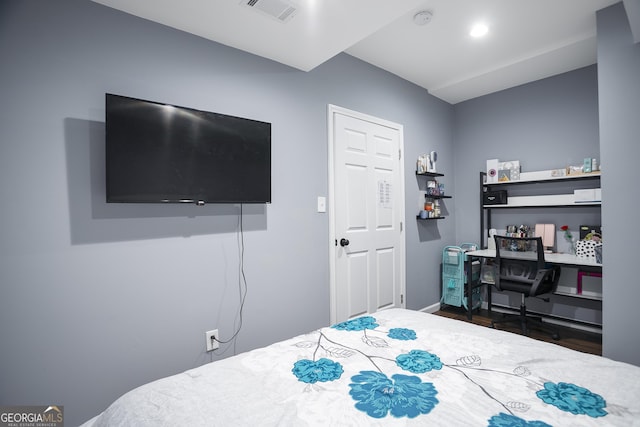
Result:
<point x="396" y="367"/>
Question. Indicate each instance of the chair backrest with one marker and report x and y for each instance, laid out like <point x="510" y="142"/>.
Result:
<point x="519" y="262"/>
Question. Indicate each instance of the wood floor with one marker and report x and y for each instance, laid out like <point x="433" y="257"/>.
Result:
<point x="586" y="342"/>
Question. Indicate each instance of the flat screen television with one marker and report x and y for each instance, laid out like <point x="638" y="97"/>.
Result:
<point x="159" y="153"/>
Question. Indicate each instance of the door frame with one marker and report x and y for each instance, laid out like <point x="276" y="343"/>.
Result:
<point x="331" y="111"/>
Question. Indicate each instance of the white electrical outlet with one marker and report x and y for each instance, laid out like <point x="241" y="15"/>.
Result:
<point x="212" y="339"/>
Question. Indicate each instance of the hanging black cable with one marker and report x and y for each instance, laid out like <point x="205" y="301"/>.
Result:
<point x="242" y="280"/>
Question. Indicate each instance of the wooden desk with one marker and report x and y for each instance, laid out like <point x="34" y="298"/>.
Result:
<point x="566" y="260"/>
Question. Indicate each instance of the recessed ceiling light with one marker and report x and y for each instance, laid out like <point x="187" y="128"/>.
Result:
<point x="479" y="30"/>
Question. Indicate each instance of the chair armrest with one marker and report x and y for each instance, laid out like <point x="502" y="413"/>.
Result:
<point x="542" y="275"/>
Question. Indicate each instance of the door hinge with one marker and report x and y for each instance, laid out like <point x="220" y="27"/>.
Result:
<point x="401" y="226"/>
<point x="399" y="154"/>
<point x="401" y="299"/>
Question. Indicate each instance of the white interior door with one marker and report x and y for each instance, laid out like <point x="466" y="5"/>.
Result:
<point x="367" y="209"/>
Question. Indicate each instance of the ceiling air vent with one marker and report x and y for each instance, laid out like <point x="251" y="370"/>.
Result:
<point x="277" y="9"/>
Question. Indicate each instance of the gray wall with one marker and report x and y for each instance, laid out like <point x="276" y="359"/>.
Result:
<point x="619" y="93"/>
<point x="546" y="124"/>
<point x="97" y="299"/>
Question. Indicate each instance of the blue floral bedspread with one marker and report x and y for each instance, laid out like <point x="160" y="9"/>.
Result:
<point x="395" y="367"/>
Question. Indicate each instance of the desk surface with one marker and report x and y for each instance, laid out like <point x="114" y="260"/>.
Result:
<point x="560" y="259"/>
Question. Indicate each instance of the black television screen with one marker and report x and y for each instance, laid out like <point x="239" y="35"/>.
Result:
<point x="159" y="153"/>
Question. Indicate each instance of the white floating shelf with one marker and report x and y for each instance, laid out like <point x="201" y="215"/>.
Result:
<point x="548" y="200"/>
<point x="548" y="175"/>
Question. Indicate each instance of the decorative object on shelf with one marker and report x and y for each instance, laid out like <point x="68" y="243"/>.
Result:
<point x="428" y="206"/>
<point x="591" y="232"/>
<point x="589" y="165"/>
<point x="573" y="170"/>
<point x="555" y="173"/>
<point x="422" y="165"/>
<point x="492" y="171"/>
<point x="433" y="189"/>
<point x="427" y="163"/>
<point x="599" y="253"/>
<point x="586" y="248"/>
<point x="590" y="243"/>
<point x="548" y="234"/>
<point x="569" y="238"/>
<point x="498" y="171"/>
<point x="509" y="171"/>
<point x="516" y="231"/>
<point x="433" y="157"/>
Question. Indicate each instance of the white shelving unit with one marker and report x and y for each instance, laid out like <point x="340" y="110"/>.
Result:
<point x="541" y="200"/>
<point x="533" y="199"/>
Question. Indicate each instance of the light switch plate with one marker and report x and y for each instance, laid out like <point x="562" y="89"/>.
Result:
<point x="322" y="204"/>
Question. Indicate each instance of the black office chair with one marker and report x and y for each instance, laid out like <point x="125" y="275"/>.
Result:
<point x="520" y="267"/>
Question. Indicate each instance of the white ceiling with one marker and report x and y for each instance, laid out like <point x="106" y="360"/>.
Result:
<point x="528" y="39"/>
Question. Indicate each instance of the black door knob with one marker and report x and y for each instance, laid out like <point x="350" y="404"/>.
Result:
<point x="344" y="242"/>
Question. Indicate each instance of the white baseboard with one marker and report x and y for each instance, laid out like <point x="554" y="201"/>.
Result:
<point x="555" y="320"/>
<point x="431" y="309"/>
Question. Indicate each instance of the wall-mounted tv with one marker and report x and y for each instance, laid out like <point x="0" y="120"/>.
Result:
<point x="159" y="153"/>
